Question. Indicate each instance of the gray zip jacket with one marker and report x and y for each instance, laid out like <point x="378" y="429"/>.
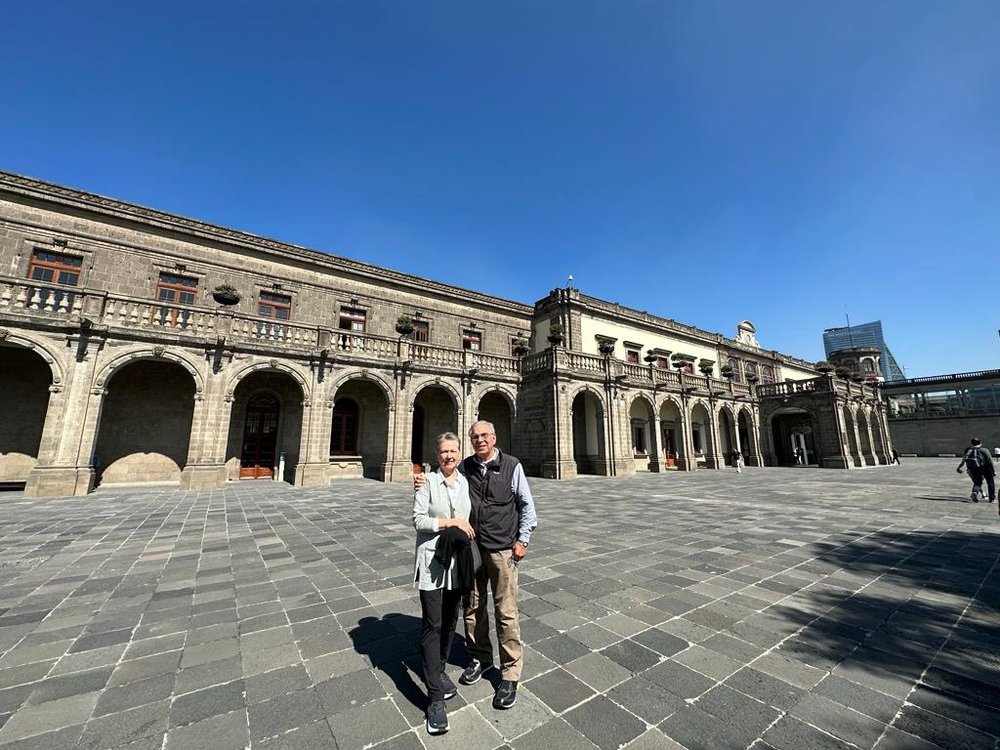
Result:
<point x="430" y="503"/>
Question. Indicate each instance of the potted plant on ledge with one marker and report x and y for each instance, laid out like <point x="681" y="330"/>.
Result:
<point x="226" y="294"/>
<point x="404" y="325"/>
<point x="606" y="347"/>
<point x="556" y="333"/>
<point x="679" y="361"/>
<point x="520" y="347"/>
<point x="727" y="372"/>
<point x="823" y="366"/>
<point x="706" y="366"/>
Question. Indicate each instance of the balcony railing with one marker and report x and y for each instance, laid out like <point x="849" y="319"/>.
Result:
<point x="118" y="311"/>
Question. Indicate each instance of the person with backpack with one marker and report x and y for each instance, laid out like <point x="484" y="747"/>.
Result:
<point x="979" y="463"/>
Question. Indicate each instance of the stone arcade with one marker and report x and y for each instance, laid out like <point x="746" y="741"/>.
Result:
<point x="137" y="346"/>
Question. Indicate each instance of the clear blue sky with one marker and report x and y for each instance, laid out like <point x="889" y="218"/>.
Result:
<point x="786" y="162"/>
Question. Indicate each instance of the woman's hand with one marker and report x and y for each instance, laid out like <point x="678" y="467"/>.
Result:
<point x="462" y="524"/>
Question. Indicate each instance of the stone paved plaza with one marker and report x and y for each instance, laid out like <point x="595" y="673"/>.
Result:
<point x="779" y="608"/>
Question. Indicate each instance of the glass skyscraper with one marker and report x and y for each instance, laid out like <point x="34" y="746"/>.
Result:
<point x="866" y="335"/>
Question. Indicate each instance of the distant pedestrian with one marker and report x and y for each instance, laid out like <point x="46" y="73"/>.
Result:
<point x="799" y="456"/>
<point x="895" y="456"/>
<point x="979" y="464"/>
<point x="737" y="460"/>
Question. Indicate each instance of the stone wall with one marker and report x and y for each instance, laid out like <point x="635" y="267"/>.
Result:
<point x="943" y="435"/>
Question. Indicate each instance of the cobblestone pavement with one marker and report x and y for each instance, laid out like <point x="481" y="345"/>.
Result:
<point x="779" y="608"/>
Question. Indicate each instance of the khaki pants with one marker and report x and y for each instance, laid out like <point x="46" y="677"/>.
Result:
<point x="501" y="576"/>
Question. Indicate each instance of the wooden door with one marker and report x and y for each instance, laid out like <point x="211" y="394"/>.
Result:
<point x="260" y="437"/>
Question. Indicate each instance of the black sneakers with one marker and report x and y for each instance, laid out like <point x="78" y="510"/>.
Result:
<point x="506" y="694"/>
<point x="450" y="691"/>
<point x="437" y="718"/>
<point x="473" y="672"/>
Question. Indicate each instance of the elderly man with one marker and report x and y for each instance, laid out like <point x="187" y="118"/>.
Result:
<point x="503" y="516"/>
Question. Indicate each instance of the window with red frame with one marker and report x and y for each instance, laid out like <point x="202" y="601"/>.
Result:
<point x="55" y="268"/>
<point x="472" y="340"/>
<point x="352" y="319"/>
<point x="632" y="355"/>
<point x="177" y="289"/>
<point x="172" y="290"/>
<point x="421" y="330"/>
<point x="275" y="306"/>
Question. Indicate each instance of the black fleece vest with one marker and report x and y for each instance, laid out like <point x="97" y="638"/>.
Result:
<point x="495" y="516"/>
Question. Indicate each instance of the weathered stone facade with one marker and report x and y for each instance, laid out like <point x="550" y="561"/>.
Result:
<point x="117" y="365"/>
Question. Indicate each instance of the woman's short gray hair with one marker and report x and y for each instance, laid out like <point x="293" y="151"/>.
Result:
<point x="444" y="436"/>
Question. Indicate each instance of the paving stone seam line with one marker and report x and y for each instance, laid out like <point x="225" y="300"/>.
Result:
<point x="920" y="680"/>
<point x="776" y="647"/>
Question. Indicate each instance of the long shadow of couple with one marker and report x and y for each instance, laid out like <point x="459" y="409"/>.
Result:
<point x="392" y="645"/>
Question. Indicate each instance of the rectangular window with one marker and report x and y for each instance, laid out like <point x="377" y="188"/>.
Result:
<point x="421" y="330"/>
<point x="274" y="306"/>
<point x="662" y="363"/>
<point x="172" y="290"/>
<point x="53" y="268"/>
<point x="632" y="355"/>
<point x="472" y="340"/>
<point x="352" y="319"/>
<point x="176" y="289"/>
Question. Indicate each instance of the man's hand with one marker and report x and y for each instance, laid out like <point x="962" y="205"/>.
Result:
<point x="959" y="470"/>
<point x="419" y="480"/>
<point x="519" y="551"/>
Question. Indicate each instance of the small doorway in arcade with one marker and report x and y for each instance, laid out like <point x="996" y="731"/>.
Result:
<point x="260" y="437"/>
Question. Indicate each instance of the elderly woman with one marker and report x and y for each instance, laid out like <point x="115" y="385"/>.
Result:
<point x="441" y="503"/>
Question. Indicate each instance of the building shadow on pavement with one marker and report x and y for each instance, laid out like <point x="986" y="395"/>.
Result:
<point x="912" y="615"/>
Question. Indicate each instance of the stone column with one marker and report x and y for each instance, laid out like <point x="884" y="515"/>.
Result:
<point x="398" y="466"/>
<point x="65" y="458"/>
<point x="656" y="457"/>
<point x="563" y="465"/>
<point x="713" y="458"/>
<point x="833" y="442"/>
<point x="313" y="469"/>
<point x="753" y="455"/>
<point x="206" y="460"/>
<point x="685" y="445"/>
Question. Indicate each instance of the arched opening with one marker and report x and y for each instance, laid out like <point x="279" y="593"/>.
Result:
<point x="24" y="399"/>
<point x="701" y="433"/>
<point x="361" y="426"/>
<point x="434" y="412"/>
<point x="641" y="430"/>
<point x="792" y="429"/>
<point x="852" y="438"/>
<point x="867" y="453"/>
<point x="266" y="425"/>
<point x="671" y="443"/>
<point x="588" y="434"/>
<point x="495" y="408"/>
<point x="145" y="424"/>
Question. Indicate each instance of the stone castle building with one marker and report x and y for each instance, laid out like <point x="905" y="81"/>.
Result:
<point x="126" y="357"/>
